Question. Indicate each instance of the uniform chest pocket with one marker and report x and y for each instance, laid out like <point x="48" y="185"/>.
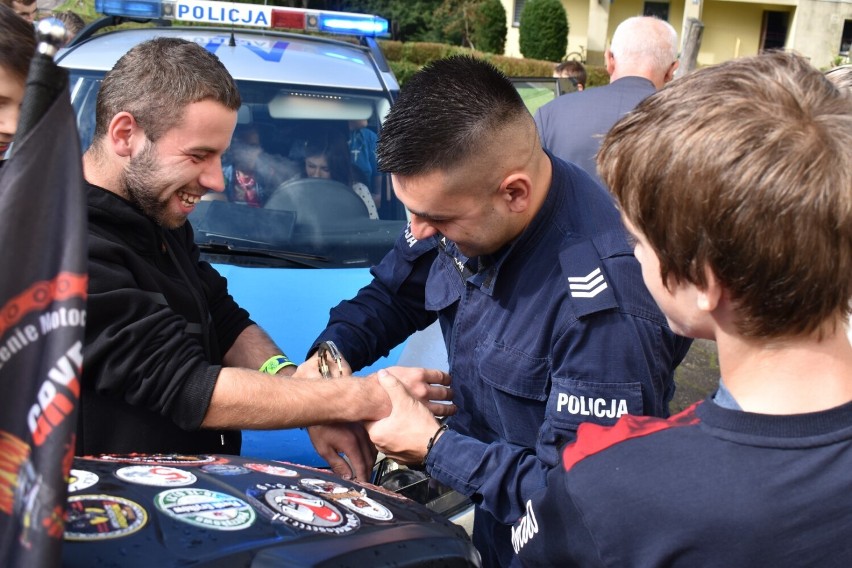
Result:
<point x="513" y="372"/>
<point x="512" y="392"/>
<point x="573" y="402"/>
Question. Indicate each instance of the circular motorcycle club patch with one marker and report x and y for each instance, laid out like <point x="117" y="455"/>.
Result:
<point x="156" y="459"/>
<point x="79" y="479"/>
<point x="272" y="469"/>
<point x="224" y="469"/>
<point x="94" y="517"/>
<point x="353" y="499"/>
<point x="156" y="475"/>
<point x="287" y="504"/>
<point x="206" y="509"/>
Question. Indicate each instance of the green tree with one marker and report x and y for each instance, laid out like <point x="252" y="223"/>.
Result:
<point x="411" y="20"/>
<point x="489" y="29"/>
<point x="543" y="30"/>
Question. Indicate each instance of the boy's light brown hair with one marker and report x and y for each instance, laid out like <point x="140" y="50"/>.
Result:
<point x="745" y="167"/>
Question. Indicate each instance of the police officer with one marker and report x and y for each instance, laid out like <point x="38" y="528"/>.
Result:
<point x="523" y="259"/>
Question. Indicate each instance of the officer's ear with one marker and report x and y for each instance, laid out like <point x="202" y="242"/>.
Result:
<point x="516" y="190"/>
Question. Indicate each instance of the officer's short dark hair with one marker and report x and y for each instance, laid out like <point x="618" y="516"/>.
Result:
<point x="446" y="113"/>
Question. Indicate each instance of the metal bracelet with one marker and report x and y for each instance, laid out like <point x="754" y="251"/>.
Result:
<point x="325" y="350"/>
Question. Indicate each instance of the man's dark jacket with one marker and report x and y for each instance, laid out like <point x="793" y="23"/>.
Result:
<point x="158" y="324"/>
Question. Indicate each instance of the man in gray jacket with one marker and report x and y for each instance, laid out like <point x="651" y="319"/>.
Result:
<point x="642" y="57"/>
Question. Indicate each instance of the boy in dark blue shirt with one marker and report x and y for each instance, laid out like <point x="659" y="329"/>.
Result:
<point x="735" y="184"/>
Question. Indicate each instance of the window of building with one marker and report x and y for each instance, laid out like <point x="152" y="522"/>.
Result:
<point x="657" y="9"/>
<point x="846" y="38"/>
<point x="519" y="7"/>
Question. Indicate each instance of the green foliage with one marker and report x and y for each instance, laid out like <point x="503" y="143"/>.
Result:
<point x="596" y="76"/>
<point x="543" y="30"/>
<point x="489" y="30"/>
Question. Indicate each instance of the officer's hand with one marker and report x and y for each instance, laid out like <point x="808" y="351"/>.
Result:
<point x="331" y="440"/>
<point x="403" y="435"/>
<point x="429" y="386"/>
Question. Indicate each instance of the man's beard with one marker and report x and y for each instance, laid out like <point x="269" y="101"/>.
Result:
<point x="143" y="185"/>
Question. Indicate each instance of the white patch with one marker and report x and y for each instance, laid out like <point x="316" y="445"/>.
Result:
<point x="526" y="528"/>
<point x="597" y="407"/>
<point x="587" y="286"/>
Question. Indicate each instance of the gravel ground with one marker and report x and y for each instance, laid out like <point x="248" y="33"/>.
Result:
<point x="697" y="376"/>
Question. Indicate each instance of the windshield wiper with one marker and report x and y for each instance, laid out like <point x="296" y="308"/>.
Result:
<point x="298" y="258"/>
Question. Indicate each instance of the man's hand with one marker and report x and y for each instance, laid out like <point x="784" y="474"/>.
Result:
<point x="351" y="439"/>
<point x="404" y="434"/>
<point x="427" y="386"/>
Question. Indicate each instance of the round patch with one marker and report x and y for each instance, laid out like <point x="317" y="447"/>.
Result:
<point x="156" y="459"/>
<point x="224" y="469"/>
<point x="156" y="475"/>
<point x="354" y="500"/>
<point x="79" y="479"/>
<point x="272" y="469"/>
<point x="94" y="517"/>
<point x="206" y="509"/>
<point x="291" y="506"/>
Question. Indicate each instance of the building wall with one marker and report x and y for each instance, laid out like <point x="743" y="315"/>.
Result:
<point x="731" y="28"/>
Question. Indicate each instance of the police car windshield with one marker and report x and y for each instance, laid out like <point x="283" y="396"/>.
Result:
<point x="301" y="180"/>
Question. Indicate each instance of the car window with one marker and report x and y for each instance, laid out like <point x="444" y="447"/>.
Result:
<point x="537" y="91"/>
<point x="272" y="212"/>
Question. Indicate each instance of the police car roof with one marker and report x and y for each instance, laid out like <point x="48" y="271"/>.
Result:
<point x="293" y="59"/>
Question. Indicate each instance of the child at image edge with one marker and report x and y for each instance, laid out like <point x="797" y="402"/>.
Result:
<point x="736" y="184"/>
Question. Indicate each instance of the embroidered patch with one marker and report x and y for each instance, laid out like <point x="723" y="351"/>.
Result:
<point x="94" y="517"/>
<point x="206" y="509"/>
<point x="587" y="286"/>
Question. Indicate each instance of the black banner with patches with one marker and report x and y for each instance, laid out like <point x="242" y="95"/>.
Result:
<point x="42" y="319"/>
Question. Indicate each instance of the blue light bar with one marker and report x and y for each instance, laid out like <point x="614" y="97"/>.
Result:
<point x="253" y="15"/>
<point x="359" y="24"/>
<point x="146" y="9"/>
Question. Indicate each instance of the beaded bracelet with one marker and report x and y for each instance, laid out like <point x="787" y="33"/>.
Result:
<point x="275" y="364"/>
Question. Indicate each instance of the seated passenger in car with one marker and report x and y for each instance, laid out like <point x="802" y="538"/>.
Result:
<point x="327" y="157"/>
<point x="251" y="175"/>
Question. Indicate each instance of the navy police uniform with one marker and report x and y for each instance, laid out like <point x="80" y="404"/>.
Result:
<point x="709" y="487"/>
<point x="552" y="331"/>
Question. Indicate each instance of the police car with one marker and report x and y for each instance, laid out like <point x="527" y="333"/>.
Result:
<point x="290" y="245"/>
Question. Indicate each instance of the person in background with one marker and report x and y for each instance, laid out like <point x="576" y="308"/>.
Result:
<point x="17" y="47"/>
<point x="362" y="148"/>
<point x="743" y="241"/>
<point x="326" y="157"/>
<point x="642" y="58"/>
<point x="26" y="9"/>
<point x="523" y="260"/>
<point x="574" y="71"/>
<point x="72" y="21"/>
<point x="173" y="363"/>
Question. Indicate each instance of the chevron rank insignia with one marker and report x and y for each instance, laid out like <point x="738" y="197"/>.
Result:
<point x="587" y="286"/>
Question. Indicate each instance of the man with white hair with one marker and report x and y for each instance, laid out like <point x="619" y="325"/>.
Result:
<point x="642" y="57"/>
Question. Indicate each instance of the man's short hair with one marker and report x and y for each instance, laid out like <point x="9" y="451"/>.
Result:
<point x="73" y="22"/>
<point x="645" y="41"/>
<point x="17" y="43"/>
<point x="572" y="70"/>
<point x="745" y="168"/>
<point x="446" y="113"/>
<point x="841" y="76"/>
<point x="157" y="79"/>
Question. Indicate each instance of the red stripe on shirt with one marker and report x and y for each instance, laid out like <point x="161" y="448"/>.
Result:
<point x="594" y="438"/>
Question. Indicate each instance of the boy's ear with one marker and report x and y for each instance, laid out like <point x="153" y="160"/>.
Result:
<point x="709" y="297"/>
